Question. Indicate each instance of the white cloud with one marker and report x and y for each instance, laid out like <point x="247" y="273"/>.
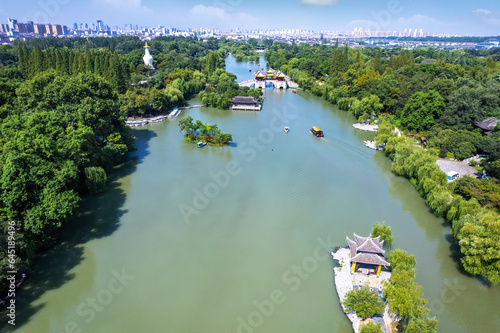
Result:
<point x="209" y="15"/>
<point x="488" y="17"/>
<point x="213" y="12"/>
<point x="319" y="2"/>
<point x="482" y="11"/>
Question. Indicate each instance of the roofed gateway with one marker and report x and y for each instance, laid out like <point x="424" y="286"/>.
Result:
<point x="367" y="254"/>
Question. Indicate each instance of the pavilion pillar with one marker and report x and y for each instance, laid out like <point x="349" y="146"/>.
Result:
<point x="378" y="270"/>
<point x="353" y="267"/>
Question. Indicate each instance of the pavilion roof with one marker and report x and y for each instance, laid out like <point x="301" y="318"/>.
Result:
<point x="370" y="246"/>
<point x="370" y="258"/>
<point x="487" y="124"/>
<point x="244" y="100"/>
<point x="360" y="240"/>
<point x="352" y="247"/>
<point x="367" y="250"/>
<point x="259" y="74"/>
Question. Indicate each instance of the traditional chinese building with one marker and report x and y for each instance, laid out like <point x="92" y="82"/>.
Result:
<point x="280" y="80"/>
<point x="260" y="80"/>
<point x="245" y="103"/>
<point x="487" y="125"/>
<point x="367" y="255"/>
<point x="277" y="79"/>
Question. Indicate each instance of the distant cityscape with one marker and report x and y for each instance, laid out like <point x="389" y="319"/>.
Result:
<point x="409" y="38"/>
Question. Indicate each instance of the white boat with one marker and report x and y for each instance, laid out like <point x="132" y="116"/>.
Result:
<point x="135" y="123"/>
<point x="175" y="112"/>
<point x="287" y="130"/>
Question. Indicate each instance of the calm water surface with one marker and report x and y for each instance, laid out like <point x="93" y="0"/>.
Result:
<point x="235" y="239"/>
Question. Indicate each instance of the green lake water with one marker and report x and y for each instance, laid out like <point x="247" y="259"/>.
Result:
<point x="237" y="239"/>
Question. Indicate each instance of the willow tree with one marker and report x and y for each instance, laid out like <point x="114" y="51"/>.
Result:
<point x="385" y="233"/>
<point x="95" y="179"/>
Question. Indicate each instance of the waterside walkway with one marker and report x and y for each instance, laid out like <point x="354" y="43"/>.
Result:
<point x="343" y="282"/>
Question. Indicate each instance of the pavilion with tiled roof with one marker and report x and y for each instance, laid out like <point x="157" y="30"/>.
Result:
<point x="367" y="254"/>
<point x="487" y="125"/>
<point x="259" y="76"/>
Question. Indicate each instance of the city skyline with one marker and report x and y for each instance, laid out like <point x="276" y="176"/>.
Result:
<point x="391" y="15"/>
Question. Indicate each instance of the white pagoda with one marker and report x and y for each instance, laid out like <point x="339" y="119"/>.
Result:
<point x="148" y="58"/>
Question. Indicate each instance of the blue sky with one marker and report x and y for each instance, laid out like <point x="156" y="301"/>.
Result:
<point x="462" y="17"/>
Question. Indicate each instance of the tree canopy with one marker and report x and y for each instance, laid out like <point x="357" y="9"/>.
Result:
<point x="364" y="302"/>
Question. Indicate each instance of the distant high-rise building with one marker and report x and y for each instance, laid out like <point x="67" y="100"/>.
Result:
<point x="40" y="29"/>
<point x="75" y="26"/>
<point x="65" y="30"/>
<point x="4" y="28"/>
<point x="57" y="30"/>
<point x="48" y="29"/>
<point x="12" y="24"/>
<point x="100" y="25"/>
<point x="86" y="26"/>
<point x="24" y="28"/>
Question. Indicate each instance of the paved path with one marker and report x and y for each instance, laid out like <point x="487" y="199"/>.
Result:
<point x="343" y="282"/>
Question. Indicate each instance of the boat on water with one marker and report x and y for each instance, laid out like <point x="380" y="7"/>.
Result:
<point x="287" y="129"/>
<point x="175" y="112"/>
<point x="201" y="144"/>
<point x="317" y="131"/>
<point x="156" y="119"/>
<point x="294" y="91"/>
<point x="135" y="123"/>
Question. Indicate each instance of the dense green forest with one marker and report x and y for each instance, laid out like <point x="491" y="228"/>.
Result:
<point x="428" y="93"/>
<point x="63" y="106"/>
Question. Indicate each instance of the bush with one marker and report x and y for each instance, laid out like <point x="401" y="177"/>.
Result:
<point x="371" y="327"/>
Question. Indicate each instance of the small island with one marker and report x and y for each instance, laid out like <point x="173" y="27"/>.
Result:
<point x="379" y="294"/>
<point x="199" y="132"/>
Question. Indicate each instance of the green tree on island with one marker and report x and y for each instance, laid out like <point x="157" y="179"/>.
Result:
<point x="422" y="325"/>
<point x="404" y="296"/>
<point x="385" y="233"/>
<point x="371" y="327"/>
<point x="208" y="133"/>
<point x="364" y="302"/>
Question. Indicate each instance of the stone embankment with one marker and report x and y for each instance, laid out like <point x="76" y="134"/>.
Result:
<point x="343" y="282"/>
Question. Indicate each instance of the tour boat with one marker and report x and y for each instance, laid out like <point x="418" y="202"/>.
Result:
<point x="317" y="131"/>
<point x="294" y="91"/>
<point x="287" y="129"/>
<point x="135" y="123"/>
<point x="175" y="112"/>
<point x="201" y="144"/>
